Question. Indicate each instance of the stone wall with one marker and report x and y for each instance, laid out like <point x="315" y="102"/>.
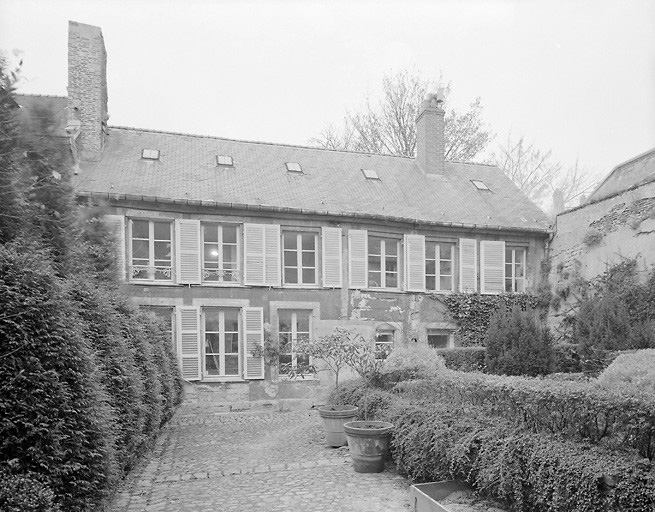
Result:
<point x="593" y="237"/>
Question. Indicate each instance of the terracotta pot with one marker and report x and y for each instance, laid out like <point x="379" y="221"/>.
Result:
<point x="334" y="416"/>
<point x="368" y="442"/>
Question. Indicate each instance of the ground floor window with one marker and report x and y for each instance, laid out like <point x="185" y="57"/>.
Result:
<point x="440" y="338"/>
<point x="515" y="269"/>
<point x="221" y="342"/>
<point x="384" y="337"/>
<point x="293" y="327"/>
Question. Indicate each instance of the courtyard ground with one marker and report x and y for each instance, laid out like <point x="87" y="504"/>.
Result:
<point x="268" y="459"/>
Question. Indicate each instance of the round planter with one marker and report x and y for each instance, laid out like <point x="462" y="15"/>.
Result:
<point x="334" y="416"/>
<point x="368" y="442"/>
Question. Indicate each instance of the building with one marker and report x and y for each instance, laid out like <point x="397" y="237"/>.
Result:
<point x="235" y="241"/>
<point x="615" y="224"/>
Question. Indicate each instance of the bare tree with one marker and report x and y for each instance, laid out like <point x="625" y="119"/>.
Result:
<point x="389" y="126"/>
<point x="539" y="175"/>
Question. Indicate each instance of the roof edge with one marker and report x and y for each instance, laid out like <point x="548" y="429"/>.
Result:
<point x="287" y="209"/>
<point x="617" y="167"/>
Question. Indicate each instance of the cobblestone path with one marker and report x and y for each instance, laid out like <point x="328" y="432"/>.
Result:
<point x="252" y="461"/>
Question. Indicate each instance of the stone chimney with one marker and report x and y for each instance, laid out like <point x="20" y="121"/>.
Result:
<point x="87" y="89"/>
<point x="430" y="145"/>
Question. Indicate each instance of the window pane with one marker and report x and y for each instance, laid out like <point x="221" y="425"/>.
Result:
<point x="308" y="242"/>
<point x="308" y="259"/>
<point x="392" y="281"/>
<point x="211" y="255"/>
<point x="429" y="282"/>
<point x="291" y="275"/>
<point x="374" y="279"/>
<point x="231" y="320"/>
<point x="231" y="343"/>
<point x="446" y="268"/>
<point x="508" y="255"/>
<point x="141" y="250"/>
<point x="438" y="340"/>
<point x="212" y="365"/>
<point x="391" y="248"/>
<point x="290" y="258"/>
<point x="162" y="230"/>
<point x="231" y="365"/>
<point x="211" y="320"/>
<point x="303" y="321"/>
<point x="140" y="229"/>
<point x="309" y="276"/>
<point x="229" y="235"/>
<point x="508" y="285"/>
<point x="163" y="251"/>
<point x="284" y="316"/>
<point x="212" y="343"/>
<point x="290" y="241"/>
<point x="210" y="233"/>
<point x="285" y="343"/>
<point x="374" y="263"/>
<point x="374" y="246"/>
<point x="446" y="283"/>
<point x="229" y="255"/>
<point x="446" y="251"/>
<point x="390" y="264"/>
<point x="520" y="271"/>
<point x="430" y="267"/>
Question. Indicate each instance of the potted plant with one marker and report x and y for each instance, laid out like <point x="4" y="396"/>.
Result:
<point x="335" y="350"/>
<point x="368" y="441"/>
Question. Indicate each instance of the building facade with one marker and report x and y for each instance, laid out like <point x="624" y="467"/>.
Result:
<point x="235" y="242"/>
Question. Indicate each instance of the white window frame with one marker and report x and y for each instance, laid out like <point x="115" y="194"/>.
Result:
<point x="294" y="334"/>
<point x="383" y="262"/>
<point x="511" y="277"/>
<point x="151" y="267"/>
<point x="220" y="270"/>
<point x="299" y="267"/>
<point x="221" y="335"/>
<point x="433" y="244"/>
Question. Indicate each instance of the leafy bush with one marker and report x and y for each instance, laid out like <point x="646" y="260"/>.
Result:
<point x="408" y="362"/>
<point x="464" y="359"/>
<point x="517" y="344"/>
<point x="566" y="358"/>
<point x="573" y="409"/>
<point x="25" y="492"/>
<point x="633" y="372"/>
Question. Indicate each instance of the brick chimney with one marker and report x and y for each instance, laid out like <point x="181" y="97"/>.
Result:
<point x="87" y="89"/>
<point x="430" y="146"/>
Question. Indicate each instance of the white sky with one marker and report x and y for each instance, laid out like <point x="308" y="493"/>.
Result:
<point x="574" y="76"/>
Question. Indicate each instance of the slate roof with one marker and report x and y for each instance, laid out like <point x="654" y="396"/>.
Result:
<point x="332" y="181"/>
<point x="634" y="172"/>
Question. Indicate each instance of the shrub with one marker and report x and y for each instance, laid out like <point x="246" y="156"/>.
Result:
<point x="633" y="372"/>
<point x="464" y="359"/>
<point x="566" y="358"/>
<point x="25" y="492"/>
<point x="517" y="344"/>
<point x="408" y="362"/>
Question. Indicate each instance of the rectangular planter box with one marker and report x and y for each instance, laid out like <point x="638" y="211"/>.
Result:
<point x="426" y="497"/>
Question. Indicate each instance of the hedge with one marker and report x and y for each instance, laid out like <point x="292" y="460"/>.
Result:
<point x="25" y="492"/>
<point x="528" y="471"/>
<point x="464" y="359"/>
<point x="576" y="410"/>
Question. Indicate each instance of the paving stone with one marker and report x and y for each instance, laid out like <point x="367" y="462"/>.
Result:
<point x="258" y="460"/>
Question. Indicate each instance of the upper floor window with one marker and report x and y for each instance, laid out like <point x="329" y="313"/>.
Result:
<point x="221" y="346"/>
<point x="300" y="258"/>
<point x="515" y="269"/>
<point x="439" y="267"/>
<point x="151" y="250"/>
<point x="382" y="262"/>
<point x="220" y="257"/>
<point x="293" y="327"/>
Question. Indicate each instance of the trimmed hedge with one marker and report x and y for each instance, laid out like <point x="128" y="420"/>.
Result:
<point x="531" y="472"/>
<point x="26" y="492"/>
<point x="573" y="409"/>
<point x="464" y="359"/>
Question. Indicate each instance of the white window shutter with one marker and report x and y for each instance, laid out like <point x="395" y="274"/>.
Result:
<point x="188" y="336"/>
<point x="492" y="267"/>
<point x="254" y="254"/>
<point x="272" y="270"/>
<point x="254" y="338"/>
<point x="357" y="258"/>
<point x="117" y="225"/>
<point x="414" y="263"/>
<point x="331" y="243"/>
<point x="187" y="242"/>
<point x="468" y="265"/>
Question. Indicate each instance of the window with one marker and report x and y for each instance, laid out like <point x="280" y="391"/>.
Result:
<point x="294" y="167"/>
<point x="382" y="263"/>
<point x="220" y="255"/>
<point x="439" y="267"/>
<point x="150" y="154"/>
<point x="480" y="185"/>
<point x="439" y="338"/>
<point x="384" y="336"/>
<point x="150" y="250"/>
<point x="300" y="258"/>
<point x="515" y="269"/>
<point x="224" y="160"/>
<point x="221" y="346"/>
<point x="370" y="174"/>
<point x="293" y="327"/>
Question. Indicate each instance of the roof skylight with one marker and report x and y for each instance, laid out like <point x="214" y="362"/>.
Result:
<point x="150" y="154"/>
<point x="294" y="167"/>
<point x="480" y="185"/>
<point x="224" y="160"/>
<point x="370" y="174"/>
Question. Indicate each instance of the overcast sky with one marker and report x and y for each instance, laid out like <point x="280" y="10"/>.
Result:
<point x="577" y="77"/>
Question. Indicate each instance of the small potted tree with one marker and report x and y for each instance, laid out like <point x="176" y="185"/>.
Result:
<point x="368" y="441"/>
<point x="336" y="351"/>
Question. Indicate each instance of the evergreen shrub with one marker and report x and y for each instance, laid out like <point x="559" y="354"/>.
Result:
<point x="26" y="492"/>
<point x="409" y="362"/>
<point x="464" y="359"/>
